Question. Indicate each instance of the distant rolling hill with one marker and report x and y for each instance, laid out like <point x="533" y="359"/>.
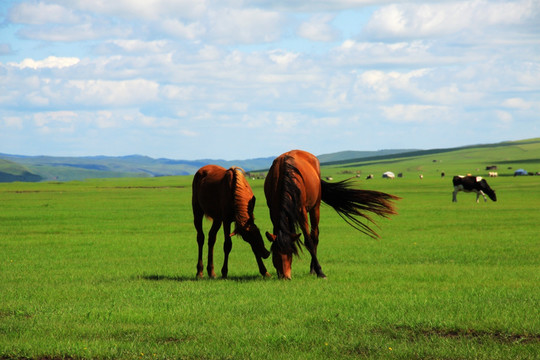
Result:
<point x="10" y="171"/>
<point x="507" y="156"/>
<point x="344" y="156"/>
<point x="79" y="168"/>
<point x="44" y="168"/>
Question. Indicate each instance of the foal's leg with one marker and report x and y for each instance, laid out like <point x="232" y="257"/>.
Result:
<point x="262" y="268"/>
<point x="197" y="221"/>
<point x="227" y="246"/>
<point x="216" y="224"/>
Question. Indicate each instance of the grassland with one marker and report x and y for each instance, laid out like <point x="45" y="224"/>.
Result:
<point x="106" y="269"/>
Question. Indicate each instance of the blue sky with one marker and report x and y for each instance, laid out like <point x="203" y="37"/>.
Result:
<point x="239" y="79"/>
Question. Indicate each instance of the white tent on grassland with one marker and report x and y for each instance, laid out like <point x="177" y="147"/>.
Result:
<point x="388" y="175"/>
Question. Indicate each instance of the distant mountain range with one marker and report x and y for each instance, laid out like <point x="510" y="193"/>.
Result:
<point x="50" y="168"/>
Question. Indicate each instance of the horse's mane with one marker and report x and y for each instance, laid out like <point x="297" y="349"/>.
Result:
<point x="289" y="219"/>
<point x="242" y="196"/>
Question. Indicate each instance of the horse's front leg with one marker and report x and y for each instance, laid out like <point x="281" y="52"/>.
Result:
<point x="227" y="247"/>
<point x="216" y="224"/>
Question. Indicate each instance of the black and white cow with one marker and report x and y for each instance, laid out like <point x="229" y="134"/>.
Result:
<point x="472" y="184"/>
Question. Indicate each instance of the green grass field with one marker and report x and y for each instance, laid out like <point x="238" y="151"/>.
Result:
<point x="106" y="269"/>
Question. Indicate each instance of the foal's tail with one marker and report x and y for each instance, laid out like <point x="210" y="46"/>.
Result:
<point x="352" y="203"/>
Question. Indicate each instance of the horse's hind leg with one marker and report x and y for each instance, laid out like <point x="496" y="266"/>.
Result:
<point x="216" y="224"/>
<point x="227" y="247"/>
<point x="312" y="241"/>
<point x="198" y="219"/>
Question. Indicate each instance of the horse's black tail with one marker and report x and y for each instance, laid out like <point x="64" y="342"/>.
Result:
<point x="352" y="204"/>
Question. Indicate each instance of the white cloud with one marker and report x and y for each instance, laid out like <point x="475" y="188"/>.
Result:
<point x="313" y="6"/>
<point x="49" y="62"/>
<point x="285" y="122"/>
<point x="105" y="120"/>
<point x="178" y="29"/>
<point x="55" y="121"/>
<point x="417" y="52"/>
<point x="26" y="95"/>
<point x="414" y="20"/>
<point x="41" y="13"/>
<point x="35" y="99"/>
<point x="136" y="45"/>
<point x="13" y="122"/>
<point x="245" y="26"/>
<point x="113" y="93"/>
<point x="149" y="10"/>
<point x="385" y="84"/>
<point x="44" y="118"/>
<point x="177" y="93"/>
<point x="415" y="113"/>
<point x="170" y="68"/>
<point x="209" y="53"/>
<point x="86" y="30"/>
<point x="505" y="118"/>
<point x="326" y="121"/>
<point x="228" y="106"/>
<point x="283" y="57"/>
<point x="517" y="103"/>
<point x="188" y="133"/>
<point x="318" y="28"/>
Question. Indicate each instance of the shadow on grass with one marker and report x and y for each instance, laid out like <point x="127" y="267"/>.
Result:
<point x="156" y="277"/>
<point x="499" y="336"/>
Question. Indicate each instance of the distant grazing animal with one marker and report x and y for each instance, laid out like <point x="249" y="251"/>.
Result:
<point x="370" y="176"/>
<point x="472" y="184"/>
<point x="294" y="190"/>
<point x="225" y="196"/>
<point x="442" y="174"/>
<point x="421" y="176"/>
<point x="493" y="174"/>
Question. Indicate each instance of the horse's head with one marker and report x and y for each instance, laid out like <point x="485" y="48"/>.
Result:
<point x="282" y="254"/>
<point x="252" y="235"/>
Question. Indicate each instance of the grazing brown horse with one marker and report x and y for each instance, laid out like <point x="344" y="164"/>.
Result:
<point x="225" y="196"/>
<point x="294" y="189"/>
